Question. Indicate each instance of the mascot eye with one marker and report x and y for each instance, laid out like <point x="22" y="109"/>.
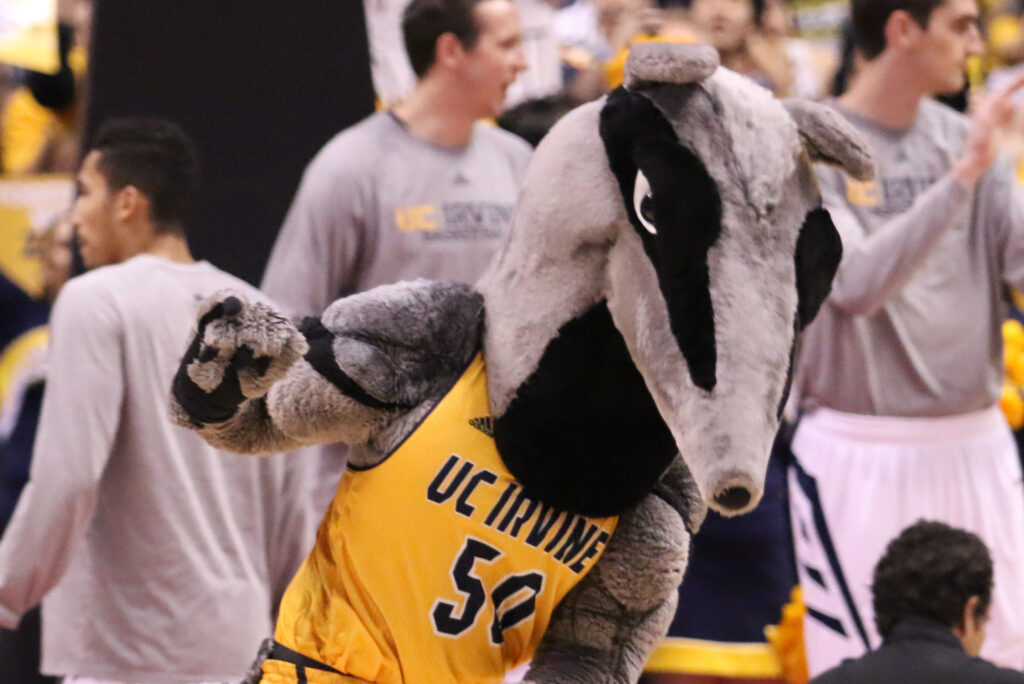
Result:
<point x="643" y="203"/>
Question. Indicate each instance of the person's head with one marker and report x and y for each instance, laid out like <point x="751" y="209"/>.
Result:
<point x="726" y="24"/>
<point x="52" y="247"/>
<point x="775" y="19"/>
<point x="138" y="181"/>
<point x="934" y="38"/>
<point x="935" y="572"/>
<point x="478" y="42"/>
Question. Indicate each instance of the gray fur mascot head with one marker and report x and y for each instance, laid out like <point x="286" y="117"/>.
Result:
<point x="669" y="245"/>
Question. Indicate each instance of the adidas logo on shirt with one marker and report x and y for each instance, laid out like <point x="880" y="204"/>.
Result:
<point x="484" y="425"/>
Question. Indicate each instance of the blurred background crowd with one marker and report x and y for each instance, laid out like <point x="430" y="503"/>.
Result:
<point x="575" y="51"/>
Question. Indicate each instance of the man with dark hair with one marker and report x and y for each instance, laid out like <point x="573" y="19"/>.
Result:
<point x="149" y="546"/>
<point x="902" y="368"/>
<point x="424" y="190"/>
<point x="932" y="591"/>
<point x="869" y="21"/>
<point x="424" y="22"/>
<point x="397" y="62"/>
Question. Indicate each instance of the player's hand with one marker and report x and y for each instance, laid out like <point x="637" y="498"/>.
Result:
<point x="989" y="121"/>
<point x="238" y="351"/>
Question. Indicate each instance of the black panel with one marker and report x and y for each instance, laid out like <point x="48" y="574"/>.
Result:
<point x="688" y="214"/>
<point x="583" y="433"/>
<point x="321" y="357"/>
<point x="818" y="252"/>
<point x="259" y="84"/>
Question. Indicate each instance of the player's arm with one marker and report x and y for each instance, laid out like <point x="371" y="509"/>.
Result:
<point x="876" y="267"/>
<point x="81" y="411"/>
<point x="991" y="118"/>
<point x="1000" y="206"/>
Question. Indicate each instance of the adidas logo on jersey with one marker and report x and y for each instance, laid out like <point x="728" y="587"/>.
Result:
<point x="484" y="425"/>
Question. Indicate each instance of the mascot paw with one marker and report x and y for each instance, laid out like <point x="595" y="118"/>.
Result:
<point x="238" y="351"/>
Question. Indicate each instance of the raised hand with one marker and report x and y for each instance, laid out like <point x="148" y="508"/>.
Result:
<point x="238" y="351"/>
<point x="989" y="121"/>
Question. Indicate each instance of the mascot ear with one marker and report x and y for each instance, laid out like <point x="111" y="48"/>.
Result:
<point x="650" y="64"/>
<point x="829" y="138"/>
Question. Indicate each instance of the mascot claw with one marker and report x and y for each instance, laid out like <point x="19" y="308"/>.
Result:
<point x="238" y="351"/>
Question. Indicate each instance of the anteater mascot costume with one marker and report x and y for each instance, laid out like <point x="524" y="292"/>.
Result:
<point x="515" y="489"/>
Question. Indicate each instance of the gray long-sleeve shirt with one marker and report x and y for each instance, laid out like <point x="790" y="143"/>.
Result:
<point x="378" y="205"/>
<point x="164" y="556"/>
<point x="913" y="324"/>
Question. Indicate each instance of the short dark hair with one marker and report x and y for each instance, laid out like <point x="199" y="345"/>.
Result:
<point x="758" y="6"/>
<point x="424" y="21"/>
<point x="930" y="571"/>
<point x="870" y="16"/>
<point x="532" y="119"/>
<point x="156" y="157"/>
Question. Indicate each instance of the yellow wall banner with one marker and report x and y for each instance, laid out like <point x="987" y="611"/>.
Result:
<point x="28" y="203"/>
<point x="28" y="34"/>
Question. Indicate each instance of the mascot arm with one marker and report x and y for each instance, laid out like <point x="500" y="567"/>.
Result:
<point x="251" y="381"/>
<point x="606" y="628"/>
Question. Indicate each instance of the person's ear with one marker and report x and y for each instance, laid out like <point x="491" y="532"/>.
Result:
<point x="971" y="630"/>
<point x="449" y="50"/>
<point x="130" y="204"/>
<point x="970" y="619"/>
<point x="901" y="30"/>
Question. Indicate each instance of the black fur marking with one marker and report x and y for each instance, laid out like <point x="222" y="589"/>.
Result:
<point x="219" y="405"/>
<point x="818" y="252"/>
<point x="688" y="214"/>
<point x="321" y="357"/>
<point x="583" y="432"/>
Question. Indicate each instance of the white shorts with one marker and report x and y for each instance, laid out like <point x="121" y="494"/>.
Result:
<point x="857" y="481"/>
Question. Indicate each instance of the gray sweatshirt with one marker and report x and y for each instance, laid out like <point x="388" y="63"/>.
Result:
<point x="913" y="324"/>
<point x="161" y="559"/>
<point x="378" y="205"/>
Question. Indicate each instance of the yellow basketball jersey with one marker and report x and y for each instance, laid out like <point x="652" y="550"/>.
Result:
<point x="433" y="566"/>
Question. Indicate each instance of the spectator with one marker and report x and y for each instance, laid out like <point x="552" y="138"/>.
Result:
<point x="41" y="121"/>
<point x="595" y="33"/>
<point x="729" y="26"/>
<point x="393" y="77"/>
<point x="424" y="190"/>
<point x="150" y="547"/>
<point x="902" y="369"/>
<point x="801" y="66"/>
<point x="931" y="593"/>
